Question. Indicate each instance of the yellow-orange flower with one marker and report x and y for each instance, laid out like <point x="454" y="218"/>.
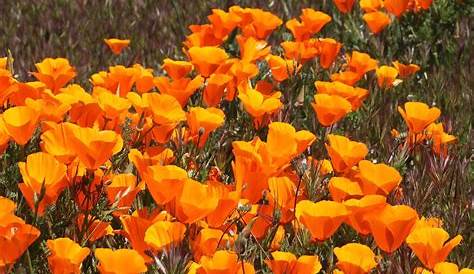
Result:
<point x="286" y="263"/>
<point x="418" y="115"/>
<point x="176" y="69"/>
<point x="330" y="108"/>
<point x="120" y="261"/>
<point x="55" y="73"/>
<point x="386" y="76"/>
<point x="66" y="256"/>
<point x="164" y="234"/>
<point x="195" y="202"/>
<point x="202" y="121"/>
<point x="20" y="123"/>
<point x="376" y="21"/>
<point x="207" y="59"/>
<point x="117" y="45"/>
<point x="345" y="153"/>
<point x="165" y="182"/>
<point x="405" y="70"/>
<point x="354" y="258"/>
<point x="360" y="209"/>
<point x="378" y="178"/>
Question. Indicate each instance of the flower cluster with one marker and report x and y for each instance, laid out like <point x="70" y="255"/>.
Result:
<point x="134" y="156"/>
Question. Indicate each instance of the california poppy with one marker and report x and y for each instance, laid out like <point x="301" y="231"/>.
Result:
<point x="328" y="51"/>
<point x="378" y="178"/>
<point x="112" y="105"/>
<point x="345" y="153"/>
<point x="405" y="70"/>
<point x="223" y="22"/>
<point x="176" y="69"/>
<point x="314" y="20"/>
<point x="15" y="237"/>
<point x="262" y="23"/>
<point x="20" y="123"/>
<point x="257" y="105"/>
<point x="342" y="188"/>
<point x="360" y="209"/>
<point x="117" y="45"/>
<point x="344" y="6"/>
<point x="208" y="241"/>
<point x="195" y="202"/>
<point x="386" y="76"/>
<point x="93" y="229"/>
<point x="347" y="77"/>
<point x="376" y="21"/>
<point x="223" y="261"/>
<point x="165" y="108"/>
<point x="55" y="73"/>
<point x="66" y="256"/>
<point x="322" y="219"/>
<point x="164" y="235"/>
<point x="94" y="147"/>
<point x="281" y="68"/>
<point x="354" y="95"/>
<point x="202" y="121"/>
<point x="330" y="108"/>
<point x="446" y="267"/>
<point x="391" y="225"/>
<point x="122" y="191"/>
<point x="355" y="258"/>
<point x="301" y="51"/>
<point x="42" y="173"/>
<point x="252" y="49"/>
<point x="165" y="182"/>
<point x="215" y="88"/>
<point x="207" y="59"/>
<point x="370" y="5"/>
<point x="418" y="115"/>
<point x="440" y="139"/>
<point x="431" y="245"/>
<point x="396" y="7"/>
<point x="181" y="89"/>
<point x="120" y="261"/>
<point x="287" y="263"/>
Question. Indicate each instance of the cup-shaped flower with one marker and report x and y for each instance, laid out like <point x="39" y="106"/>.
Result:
<point x="117" y="45"/>
<point x="328" y="51"/>
<point x="165" y="182"/>
<point x="330" y="108"/>
<point x="207" y="59"/>
<point x="396" y="7"/>
<point x="44" y="178"/>
<point x="354" y="258"/>
<point x="176" y="69"/>
<point x="282" y="69"/>
<point x="405" y="71"/>
<point x="55" y="73"/>
<point x="431" y="245"/>
<point x="195" y="202"/>
<point x="376" y="21"/>
<point x="20" y="123"/>
<point x="386" y="76"/>
<point x="66" y="256"/>
<point x="418" y="115"/>
<point x="391" y="225"/>
<point x="342" y="188"/>
<point x="360" y="209"/>
<point x="322" y="219"/>
<point x="378" y="178"/>
<point x="286" y="263"/>
<point x="122" y="191"/>
<point x="119" y="261"/>
<point x="345" y="153"/>
<point x="202" y="121"/>
<point x="164" y="235"/>
<point x="344" y="6"/>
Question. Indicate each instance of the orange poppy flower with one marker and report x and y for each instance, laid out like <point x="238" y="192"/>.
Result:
<point x="223" y="23"/>
<point x="119" y="79"/>
<point x="286" y="263"/>
<point x="344" y="6"/>
<point x="7" y="83"/>
<point x="153" y="156"/>
<point x="4" y="137"/>
<point x="207" y="59"/>
<point x="48" y="109"/>
<point x="202" y="36"/>
<point x="145" y="79"/>
<point x="252" y="49"/>
<point x="20" y="123"/>
<point x="418" y="115"/>
<point x="301" y="51"/>
<point x="165" y="182"/>
<point x="354" y="258"/>
<point x="15" y="238"/>
<point x="3" y="62"/>
<point x="354" y="95"/>
<point x="376" y="21"/>
<point x="448" y="268"/>
<point x="66" y="256"/>
<point x="370" y="5"/>
<point x="424" y="4"/>
<point x="261" y="25"/>
<point x="431" y="245"/>
<point x="165" y="108"/>
<point x="257" y="105"/>
<point x="42" y="173"/>
<point x="181" y="89"/>
<point x="112" y="105"/>
<point x="330" y="108"/>
<point x="278" y="239"/>
<point x="345" y="153"/>
<point x="117" y="45"/>
<point x="347" y="77"/>
<point x="378" y="178"/>
<point x="120" y="261"/>
<point x="195" y="202"/>
<point x="228" y="201"/>
<point x="396" y="7"/>
<point x="328" y="50"/>
<point x="122" y="191"/>
<point x="176" y="69"/>
<point x="342" y="188"/>
<point x="298" y="29"/>
<point x="202" y="121"/>
<point x="282" y="196"/>
<point x="386" y="76"/>
<point x="94" y="147"/>
<point x="55" y="73"/>
<point x="314" y="20"/>
<point x="322" y="219"/>
<point x="207" y="242"/>
<point x="440" y="139"/>
<point x="405" y="71"/>
<point x="281" y="68"/>
<point x="361" y="63"/>
<point x="215" y="87"/>
<point x="164" y="234"/>
<point x="359" y="210"/>
<point x="391" y="225"/>
<point x="224" y="261"/>
<point x="134" y="228"/>
<point x="93" y="229"/>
